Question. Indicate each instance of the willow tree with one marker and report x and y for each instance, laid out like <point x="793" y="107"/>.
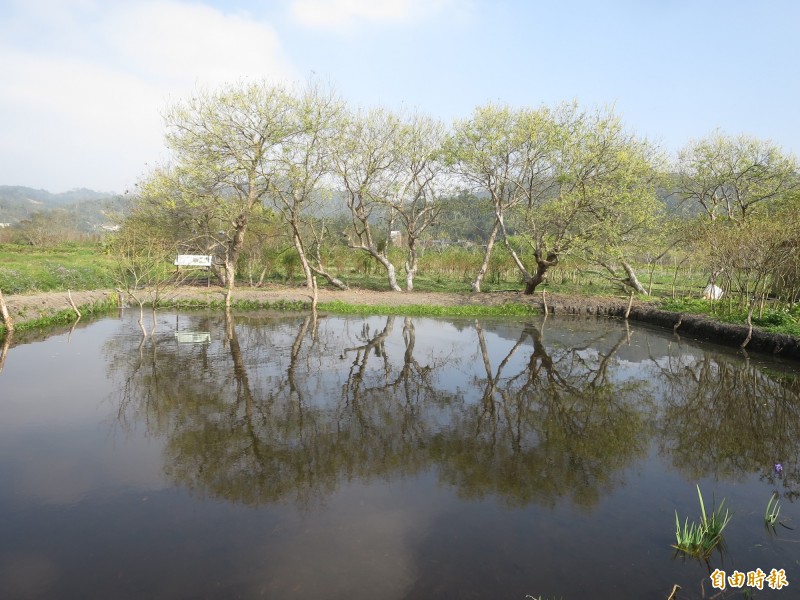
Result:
<point x="366" y="165"/>
<point x="603" y="190"/>
<point x="730" y="177"/>
<point x="223" y="147"/>
<point x="503" y="154"/>
<point x="302" y="166"/>
<point x="415" y="199"/>
<point x="570" y="179"/>
<point x="738" y="183"/>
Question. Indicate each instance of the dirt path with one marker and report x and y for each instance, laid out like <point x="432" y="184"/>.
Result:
<point x="27" y="307"/>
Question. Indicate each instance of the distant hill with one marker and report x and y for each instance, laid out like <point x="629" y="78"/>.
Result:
<point x="88" y="208"/>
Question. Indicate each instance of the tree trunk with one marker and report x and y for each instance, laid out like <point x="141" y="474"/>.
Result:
<point x="541" y="272"/>
<point x="412" y="264"/>
<point x="476" y="285"/>
<point x="392" y="275"/>
<point x="229" y="279"/>
<point x="632" y="280"/>
<point x="526" y="276"/>
<point x="261" y="277"/>
<point x="301" y="252"/>
<point x="391" y="272"/>
<point x="232" y="256"/>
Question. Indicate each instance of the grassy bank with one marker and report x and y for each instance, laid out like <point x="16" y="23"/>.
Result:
<point x="66" y="316"/>
<point x="774" y="319"/>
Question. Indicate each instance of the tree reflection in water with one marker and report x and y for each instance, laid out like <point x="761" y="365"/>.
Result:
<point x="286" y="408"/>
<point x="728" y="418"/>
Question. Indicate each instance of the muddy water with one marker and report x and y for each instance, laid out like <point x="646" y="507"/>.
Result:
<point x="279" y="456"/>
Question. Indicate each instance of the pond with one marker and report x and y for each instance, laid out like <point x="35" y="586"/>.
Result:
<point x="282" y="456"/>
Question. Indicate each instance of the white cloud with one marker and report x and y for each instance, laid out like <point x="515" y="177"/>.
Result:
<point x="182" y="43"/>
<point x="80" y="105"/>
<point x="345" y="14"/>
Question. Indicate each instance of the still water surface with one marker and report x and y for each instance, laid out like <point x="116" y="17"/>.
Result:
<point x="275" y="456"/>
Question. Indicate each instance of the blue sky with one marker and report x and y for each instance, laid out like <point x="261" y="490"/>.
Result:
<point x="84" y="82"/>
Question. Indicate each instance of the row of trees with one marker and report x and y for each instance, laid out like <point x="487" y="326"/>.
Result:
<point x="259" y="159"/>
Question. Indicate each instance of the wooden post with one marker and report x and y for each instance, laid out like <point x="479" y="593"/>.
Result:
<point x="7" y="320"/>
<point x="75" y="308"/>
<point x="544" y="301"/>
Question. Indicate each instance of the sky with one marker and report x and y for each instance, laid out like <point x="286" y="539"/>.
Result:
<point x="84" y="83"/>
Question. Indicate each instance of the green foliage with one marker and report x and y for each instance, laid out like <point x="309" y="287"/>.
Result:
<point x="700" y="539"/>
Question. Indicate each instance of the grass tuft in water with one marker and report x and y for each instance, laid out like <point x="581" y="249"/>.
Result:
<point x="772" y="511"/>
<point x="700" y="539"/>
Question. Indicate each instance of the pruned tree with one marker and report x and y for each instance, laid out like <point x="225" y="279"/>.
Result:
<point x="603" y="190"/>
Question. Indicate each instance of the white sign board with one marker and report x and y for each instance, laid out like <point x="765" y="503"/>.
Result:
<point x="193" y="260"/>
<point x="193" y="337"/>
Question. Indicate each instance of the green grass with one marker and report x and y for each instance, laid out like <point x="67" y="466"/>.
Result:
<point x="344" y="308"/>
<point x="700" y="539"/>
<point x="189" y="304"/>
<point x="25" y="269"/>
<point x="465" y="310"/>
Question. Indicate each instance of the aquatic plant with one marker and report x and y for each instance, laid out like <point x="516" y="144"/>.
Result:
<point x="700" y="539"/>
<point x="773" y="510"/>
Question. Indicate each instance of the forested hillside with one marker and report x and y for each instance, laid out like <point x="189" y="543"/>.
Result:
<point x="86" y="208"/>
